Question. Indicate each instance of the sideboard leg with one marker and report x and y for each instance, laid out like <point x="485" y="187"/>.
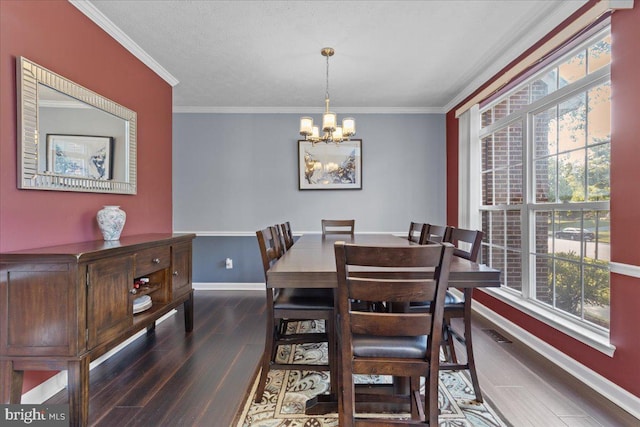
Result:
<point x="10" y="383"/>
<point x="16" y="386"/>
<point x="188" y="313"/>
<point x="78" y="387"/>
<point x="5" y="381"/>
<point x="151" y="328"/>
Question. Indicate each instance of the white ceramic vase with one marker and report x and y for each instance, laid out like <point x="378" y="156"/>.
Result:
<point x="111" y="220"/>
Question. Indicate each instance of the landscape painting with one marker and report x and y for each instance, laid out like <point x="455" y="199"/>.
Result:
<point x="330" y="166"/>
<point x="80" y="156"/>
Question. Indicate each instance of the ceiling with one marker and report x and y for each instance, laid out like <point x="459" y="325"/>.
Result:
<point x="264" y="56"/>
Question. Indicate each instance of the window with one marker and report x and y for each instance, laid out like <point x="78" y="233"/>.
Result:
<point x="545" y="158"/>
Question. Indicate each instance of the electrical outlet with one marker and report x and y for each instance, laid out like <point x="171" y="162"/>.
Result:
<point x="229" y="263"/>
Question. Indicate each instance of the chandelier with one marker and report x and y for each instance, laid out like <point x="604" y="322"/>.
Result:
<point x="331" y="131"/>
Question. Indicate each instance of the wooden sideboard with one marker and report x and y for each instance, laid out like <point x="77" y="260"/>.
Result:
<point x="63" y="306"/>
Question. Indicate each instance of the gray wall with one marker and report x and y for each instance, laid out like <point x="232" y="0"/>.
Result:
<point x="84" y="121"/>
<point x="237" y="173"/>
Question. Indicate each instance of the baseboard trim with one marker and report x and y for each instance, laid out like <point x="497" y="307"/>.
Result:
<point x="46" y="390"/>
<point x="592" y="379"/>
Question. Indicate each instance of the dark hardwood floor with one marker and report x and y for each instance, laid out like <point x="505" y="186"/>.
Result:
<point x="200" y="379"/>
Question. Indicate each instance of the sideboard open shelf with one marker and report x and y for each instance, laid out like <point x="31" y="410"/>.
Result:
<point x="64" y="306"/>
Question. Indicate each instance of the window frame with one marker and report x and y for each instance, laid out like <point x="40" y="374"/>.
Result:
<point x="525" y="300"/>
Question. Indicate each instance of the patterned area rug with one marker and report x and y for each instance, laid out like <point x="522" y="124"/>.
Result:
<point x="287" y="392"/>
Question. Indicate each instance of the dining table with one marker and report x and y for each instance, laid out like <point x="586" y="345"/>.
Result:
<point x="310" y="263"/>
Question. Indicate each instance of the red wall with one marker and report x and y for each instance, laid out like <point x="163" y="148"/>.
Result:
<point x="59" y="37"/>
<point x="623" y="368"/>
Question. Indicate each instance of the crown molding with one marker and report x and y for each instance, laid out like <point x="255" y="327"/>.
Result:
<point x="116" y="33"/>
<point x="308" y="110"/>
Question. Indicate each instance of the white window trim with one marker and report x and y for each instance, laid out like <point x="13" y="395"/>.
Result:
<point x="595" y="339"/>
<point x="469" y="198"/>
<point x="469" y="187"/>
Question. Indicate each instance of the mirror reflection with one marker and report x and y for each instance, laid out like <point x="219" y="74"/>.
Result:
<point x="70" y="138"/>
<point x="73" y="133"/>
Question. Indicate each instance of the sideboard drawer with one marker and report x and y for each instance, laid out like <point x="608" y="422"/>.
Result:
<point x="152" y="259"/>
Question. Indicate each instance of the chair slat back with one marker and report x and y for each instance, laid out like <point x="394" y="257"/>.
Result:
<point x="392" y="290"/>
<point x="390" y="324"/>
<point x="287" y="235"/>
<point x="417" y="232"/>
<point x="436" y="233"/>
<point x="269" y="247"/>
<point x="467" y="242"/>
<point x="338" y="226"/>
<point x="393" y="274"/>
<point x="280" y="239"/>
<point x="386" y="257"/>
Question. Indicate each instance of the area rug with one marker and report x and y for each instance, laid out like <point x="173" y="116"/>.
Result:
<point x="287" y="392"/>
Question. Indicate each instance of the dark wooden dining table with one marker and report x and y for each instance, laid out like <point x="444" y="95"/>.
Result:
<point x="310" y="263"/>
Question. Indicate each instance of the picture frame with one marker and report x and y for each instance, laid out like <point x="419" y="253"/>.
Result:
<point x="330" y="166"/>
<point x="82" y="156"/>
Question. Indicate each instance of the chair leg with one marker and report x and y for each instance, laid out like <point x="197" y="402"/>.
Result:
<point x="279" y="329"/>
<point x="332" y="353"/>
<point x="346" y="417"/>
<point x="469" y="346"/>
<point x="267" y="356"/>
<point x="431" y="396"/>
<point x="447" y="342"/>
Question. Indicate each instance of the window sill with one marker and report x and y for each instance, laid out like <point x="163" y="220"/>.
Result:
<point x="595" y="339"/>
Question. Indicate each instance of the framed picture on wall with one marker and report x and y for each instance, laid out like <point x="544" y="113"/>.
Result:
<point x="80" y="156"/>
<point x="330" y="166"/>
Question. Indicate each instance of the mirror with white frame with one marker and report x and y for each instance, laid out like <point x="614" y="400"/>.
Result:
<point x="70" y="138"/>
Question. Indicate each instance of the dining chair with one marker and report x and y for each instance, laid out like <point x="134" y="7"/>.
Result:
<point x="417" y="232"/>
<point x="467" y="244"/>
<point x="286" y="304"/>
<point x="436" y="233"/>
<point x="338" y="226"/>
<point x="287" y="235"/>
<point x="398" y="343"/>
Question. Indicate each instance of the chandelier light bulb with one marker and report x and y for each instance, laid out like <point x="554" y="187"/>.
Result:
<point x="329" y="120"/>
<point x="337" y="134"/>
<point x="315" y="133"/>
<point x="349" y="126"/>
<point x="306" y="126"/>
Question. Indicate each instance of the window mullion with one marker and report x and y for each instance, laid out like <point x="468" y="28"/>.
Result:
<point x="528" y="225"/>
